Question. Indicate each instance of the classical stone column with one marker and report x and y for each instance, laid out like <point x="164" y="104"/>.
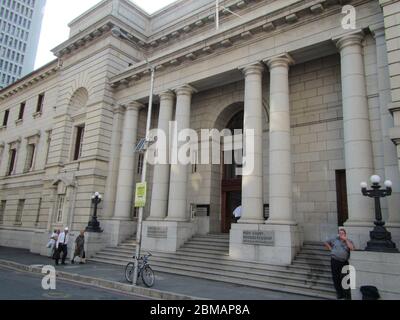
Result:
<point x="126" y="173"/>
<point x="387" y="122"/>
<point x="357" y="136"/>
<point x="112" y="179"/>
<point x="159" y="197"/>
<point x="177" y="203"/>
<point x="280" y="175"/>
<point x="252" y="179"/>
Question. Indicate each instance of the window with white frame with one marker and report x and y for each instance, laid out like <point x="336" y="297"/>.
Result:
<point x="60" y="208"/>
<point x="30" y="155"/>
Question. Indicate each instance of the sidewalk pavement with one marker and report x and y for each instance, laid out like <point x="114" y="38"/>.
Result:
<point x="167" y="286"/>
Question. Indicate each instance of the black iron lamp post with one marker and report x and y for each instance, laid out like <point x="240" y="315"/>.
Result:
<point x="94" y="225"/>
<point x="381" y="239"/>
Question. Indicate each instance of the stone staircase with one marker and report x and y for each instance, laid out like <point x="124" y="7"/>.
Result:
<point x="207" y="257"/>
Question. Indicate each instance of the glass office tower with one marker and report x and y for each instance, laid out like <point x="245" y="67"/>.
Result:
<point x="20" y="24"/>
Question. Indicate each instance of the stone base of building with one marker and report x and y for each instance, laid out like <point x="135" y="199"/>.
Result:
<point x="360" y="235"/>
<point x="116" y="231"/>
<point x="20" y="238"/>
<point x="278" y="244"/>
<point x="166" y="236"/>
<point x="377" y="269"/>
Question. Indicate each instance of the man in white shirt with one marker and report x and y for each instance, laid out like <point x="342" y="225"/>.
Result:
<point x="237" y="213"/>
<point x="62" y="246"/>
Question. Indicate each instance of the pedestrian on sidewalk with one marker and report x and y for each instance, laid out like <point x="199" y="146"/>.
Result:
<point x="340" y="248"/>
<point x="52" y="243"/>
<point x="62" y="246"/>
<point x="79" y="248"/>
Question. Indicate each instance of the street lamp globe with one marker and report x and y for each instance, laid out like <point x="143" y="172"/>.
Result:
<point x="364" y="185"/>
<point x="388" y="184"/>
<point x="375" y="179"/>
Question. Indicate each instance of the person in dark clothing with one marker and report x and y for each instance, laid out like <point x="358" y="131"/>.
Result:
<point x="79" y="248"/>
<point x="340" y="248"/>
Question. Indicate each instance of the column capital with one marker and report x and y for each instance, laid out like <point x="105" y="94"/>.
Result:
<point x="185" y="90"/>
<point x="118" y="109"/>
<point x="378" y="30"/>
<point x="350" y="39"/>
<point x="134" y="105"/>
<point x="167" y="95"/>
<point x="282" y="60"/>
<point x="255" y="68"/>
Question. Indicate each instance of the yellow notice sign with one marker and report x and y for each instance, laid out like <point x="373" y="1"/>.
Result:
<point x="140" y="195"/>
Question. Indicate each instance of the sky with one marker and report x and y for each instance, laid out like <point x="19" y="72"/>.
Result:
<point x="57" y="15"/>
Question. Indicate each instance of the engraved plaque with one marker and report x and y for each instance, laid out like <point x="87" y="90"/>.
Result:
<point x="157" y="232"/>
<point x="261" y="238"/>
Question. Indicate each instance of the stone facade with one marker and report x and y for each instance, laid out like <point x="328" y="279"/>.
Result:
<point x="320" y="99"/>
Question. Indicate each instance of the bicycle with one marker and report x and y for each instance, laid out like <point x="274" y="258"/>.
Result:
<point x="144" y="271"/>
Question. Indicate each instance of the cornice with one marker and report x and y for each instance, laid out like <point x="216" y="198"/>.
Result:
<point x="268" y="24"/>
<point x="30" y="80"/>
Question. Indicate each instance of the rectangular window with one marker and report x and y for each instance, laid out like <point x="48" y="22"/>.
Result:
<point x="20" y="210"/>
<point x="11" y="161"/>
<point x="60" y="208"/>
<point x="2" y="210"/>
<point x="30" y="156"/>
<point x="48" y="146"/>
<point x="38" y="212"/>
<point x="5" y="119"/>
<point x="39" y="107"/>
<point x="21" y="111"/>
<point x="80" y="132"/>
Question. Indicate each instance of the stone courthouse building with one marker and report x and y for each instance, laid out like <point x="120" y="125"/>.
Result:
<point x="323" y="100"/>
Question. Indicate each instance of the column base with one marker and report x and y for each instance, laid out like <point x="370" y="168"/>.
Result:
<point x="118" y="230"/>
<point x="251" y="221"/>
<point x="166" y="236"/>
<point x="267" y="243"/>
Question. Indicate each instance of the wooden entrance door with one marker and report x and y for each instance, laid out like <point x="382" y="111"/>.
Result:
<point x="341" y="191"/>
<point x="231" y="199"/>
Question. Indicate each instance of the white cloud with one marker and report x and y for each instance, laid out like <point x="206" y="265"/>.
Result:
<point x="58" y="13"/>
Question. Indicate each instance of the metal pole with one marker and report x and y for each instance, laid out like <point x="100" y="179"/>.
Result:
<point x="217" y="14"/>
<point x="144" y="172"/>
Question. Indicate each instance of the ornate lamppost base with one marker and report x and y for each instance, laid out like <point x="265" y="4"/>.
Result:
<point x="94" y="226"/>
<point x="381" y="241"/>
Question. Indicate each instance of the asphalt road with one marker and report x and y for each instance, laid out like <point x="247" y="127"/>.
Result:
<point x="17" y="285"/>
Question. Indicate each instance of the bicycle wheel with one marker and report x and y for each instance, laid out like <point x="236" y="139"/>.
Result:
<point x="148" y="276"/>
<point x="129" y="270"/>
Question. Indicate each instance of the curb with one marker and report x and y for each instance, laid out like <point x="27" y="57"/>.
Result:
<point x="102" y="283"/>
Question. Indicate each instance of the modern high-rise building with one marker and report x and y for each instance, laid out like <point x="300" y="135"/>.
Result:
<point x="20" y="24"/>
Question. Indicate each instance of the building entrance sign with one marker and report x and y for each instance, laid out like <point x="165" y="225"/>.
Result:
<point x="157" y="232"/>
<point x="261" y="238"/>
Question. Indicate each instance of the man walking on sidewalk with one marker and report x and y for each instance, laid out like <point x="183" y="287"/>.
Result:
<point x="62" y="246"/>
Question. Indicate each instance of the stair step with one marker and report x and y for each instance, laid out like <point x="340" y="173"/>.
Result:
<point x="324" y="293"/>
<point x="207" y="257"/>
<point x="245" y="271"/>
<point x="221" y="261"/>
